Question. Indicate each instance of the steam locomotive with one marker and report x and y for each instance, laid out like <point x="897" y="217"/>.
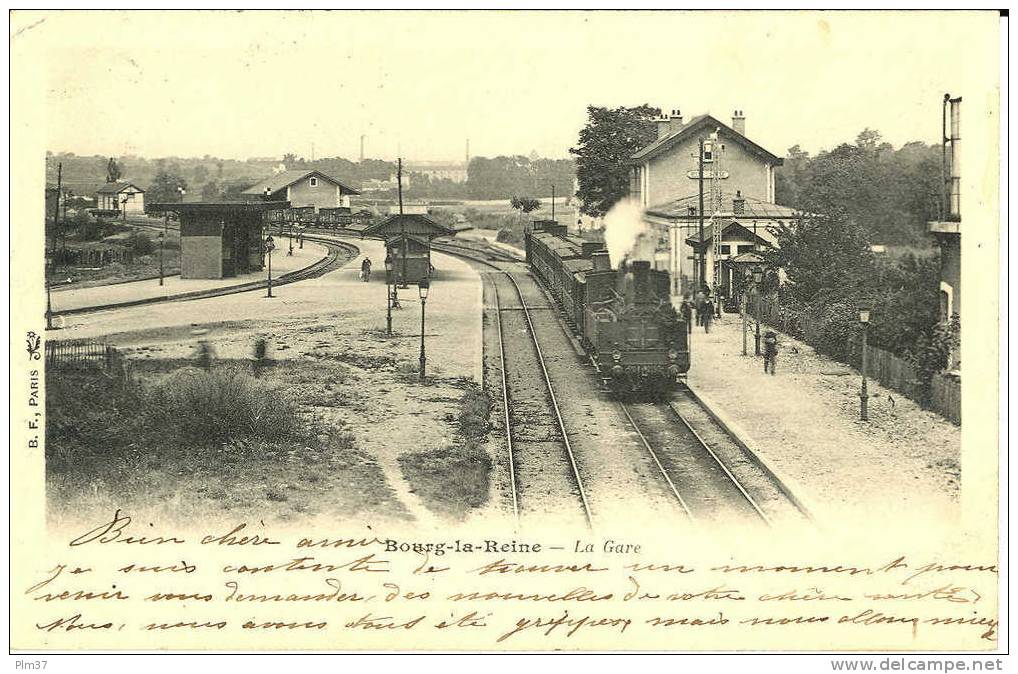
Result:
<point x="623" y="318"/>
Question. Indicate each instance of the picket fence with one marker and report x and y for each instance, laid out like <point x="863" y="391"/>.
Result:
<point x="80" y="354"/>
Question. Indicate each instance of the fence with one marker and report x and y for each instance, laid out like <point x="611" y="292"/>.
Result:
<point x="93" y="257"/>
<point x="80" y="354"/>
<point x="944" y="393"/>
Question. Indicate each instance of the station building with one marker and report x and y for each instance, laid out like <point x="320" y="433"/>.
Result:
<point x="664" y="181"/>
<point x="408" y="243"/>
<point x="121" y="196"/>
<point x="303" y="188"/>
<point x="221" y="239"/>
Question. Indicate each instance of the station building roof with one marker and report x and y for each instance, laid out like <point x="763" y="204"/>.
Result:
<point x="408" y="223"/>
<point x="280" y="181"/>
<point x="698" y="124"/>
<point x="117" y="187"/>
<point x="752" y="208"/>
<point x="232" y="206"/>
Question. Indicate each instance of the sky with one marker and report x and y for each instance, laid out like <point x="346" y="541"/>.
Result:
<point x="418" y="84"/>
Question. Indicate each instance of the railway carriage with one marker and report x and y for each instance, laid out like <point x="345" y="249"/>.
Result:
<point x="623" y="318"/>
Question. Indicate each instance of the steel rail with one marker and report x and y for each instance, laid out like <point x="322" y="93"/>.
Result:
<point x="554" y="402"/>
<point x="505" y="407"/>
<point x="657" y="461"/>
<point x="717" y="459"/>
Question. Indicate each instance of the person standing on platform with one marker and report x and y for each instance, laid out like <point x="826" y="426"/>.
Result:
<point x="708" y="314"/>
<point x="686" y="310"/>
<point x="770" y="341"/>
<point x="700" y="299"/>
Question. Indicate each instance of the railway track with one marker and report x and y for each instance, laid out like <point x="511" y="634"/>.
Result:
<point x="699" y="479"/>
<point x="339" y="253"/>
<point x="709" y="477"/>
<point x="540" y="456"/>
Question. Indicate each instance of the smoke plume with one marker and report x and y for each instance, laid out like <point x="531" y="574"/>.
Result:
<point x="623" y="230"/>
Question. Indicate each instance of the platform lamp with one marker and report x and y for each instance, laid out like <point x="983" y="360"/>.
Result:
<point x="422" y="289"/>
<point x="162" y="238"/>
<point x="269" y="246"/>
<point x="864" y="306"/>
<point x="123" y="208"/>
<point x="388" y="292"/>
<point x="49" y="304"/>
<point x="757" y="280"/>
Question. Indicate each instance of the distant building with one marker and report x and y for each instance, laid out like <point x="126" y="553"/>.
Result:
<point x="302" y="188"/>
<point x="120" y="196"/>
<point x="433" y="170"/>
<point x="665" y="181"/>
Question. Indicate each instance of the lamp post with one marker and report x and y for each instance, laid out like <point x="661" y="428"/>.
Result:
<point x="757" y="279"/>
<point x="422" y="288"/>
<point x="49" y="304"/>
<point x="743" y="308"/>
<point x="162" y="237"/>
<point x="269" y="246"/>
<point x="388" y="293"/>
<point x="864" y="320"/>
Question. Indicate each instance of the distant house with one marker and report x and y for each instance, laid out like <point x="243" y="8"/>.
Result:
<point x="302" y="188"/>
<point x="120" y="196"/>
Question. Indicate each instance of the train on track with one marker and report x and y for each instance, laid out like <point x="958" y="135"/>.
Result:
<point x="623" y="317"/>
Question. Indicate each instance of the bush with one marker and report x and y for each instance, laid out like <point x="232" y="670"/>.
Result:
<point x="141" y="244"/>
<point x="218" y="406"/>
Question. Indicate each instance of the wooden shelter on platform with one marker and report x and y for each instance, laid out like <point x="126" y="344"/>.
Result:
<point x="408" y="244"/>
<point x="222" y="238"/>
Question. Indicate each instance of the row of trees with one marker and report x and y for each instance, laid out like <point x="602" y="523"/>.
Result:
<point x="891" y="193"/>
<point x="487" y="178"/>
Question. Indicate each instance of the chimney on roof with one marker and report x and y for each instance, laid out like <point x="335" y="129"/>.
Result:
<point x="663" y="126"/>
<point x="675" y="121"/>
<point x="739" y="122"/>
<point x="738" y="204"/>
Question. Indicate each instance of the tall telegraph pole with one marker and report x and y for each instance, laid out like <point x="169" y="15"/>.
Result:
<point x="703" y="252"/>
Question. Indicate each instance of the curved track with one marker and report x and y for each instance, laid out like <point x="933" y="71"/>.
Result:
<point x="339" y="253"/>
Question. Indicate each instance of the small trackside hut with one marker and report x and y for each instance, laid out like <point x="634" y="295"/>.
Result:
<point x="408" y="244"/>
<point x="221" y="239"/>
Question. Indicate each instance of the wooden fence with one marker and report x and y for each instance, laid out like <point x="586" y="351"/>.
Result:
<point x="92" y="257"/>
<point x="890" y="370"/>
<point x="80" y="354"/>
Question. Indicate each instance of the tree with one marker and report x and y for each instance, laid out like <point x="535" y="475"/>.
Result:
<point x="164" y="187"/>
<point x="524" y="204"/>
<point x="822" y="255"/>
<point x="606" y="145"/>
<point x="891" y="193"/>
<point x="210" y="190"/>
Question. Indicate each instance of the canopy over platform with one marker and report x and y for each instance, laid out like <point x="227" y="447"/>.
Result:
<point x="413" y="224"/>
<point x="220" y="238"/>
<point x="209" y="207"/>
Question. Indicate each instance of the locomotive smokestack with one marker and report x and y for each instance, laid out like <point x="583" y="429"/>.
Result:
<point x="641" y="281"/>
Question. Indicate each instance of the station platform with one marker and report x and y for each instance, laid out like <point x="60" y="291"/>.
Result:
<point x="67" y="299"/>
<point x="804" y="422"/>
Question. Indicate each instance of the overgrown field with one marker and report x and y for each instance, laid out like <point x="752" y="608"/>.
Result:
<point x="190" y="443"/>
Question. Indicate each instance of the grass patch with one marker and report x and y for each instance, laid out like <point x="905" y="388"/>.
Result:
<point x="177" y="442"/>
<point x="454" y="480"/>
